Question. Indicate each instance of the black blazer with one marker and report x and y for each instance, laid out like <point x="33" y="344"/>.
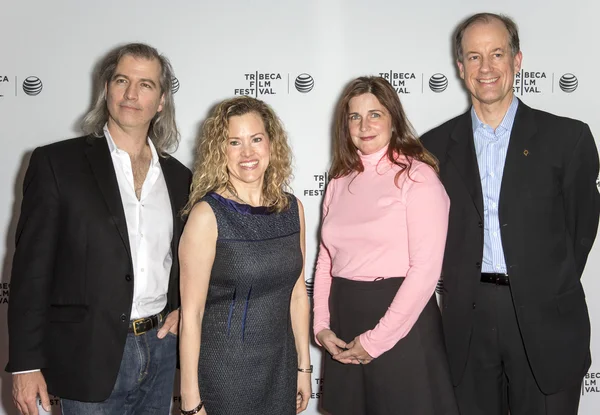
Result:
<point x="72" y="274"/>
<point x="549" y="209"/>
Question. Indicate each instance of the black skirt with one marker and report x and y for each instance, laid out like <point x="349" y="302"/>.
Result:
<point x="412" y="378"/>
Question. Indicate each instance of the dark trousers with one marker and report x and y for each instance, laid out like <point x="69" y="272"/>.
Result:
<point x="498" y="377"/>
<point x="144" y="385"/>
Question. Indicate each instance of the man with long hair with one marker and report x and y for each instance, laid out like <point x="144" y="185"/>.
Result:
<point x="524" y="213"/>
<point x="93" y="315"/>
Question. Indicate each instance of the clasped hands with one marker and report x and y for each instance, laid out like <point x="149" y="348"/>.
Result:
<point x="347" y="353"/>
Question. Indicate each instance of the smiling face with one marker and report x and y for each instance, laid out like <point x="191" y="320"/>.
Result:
<point x="369" y="123"/>
<point x="488" y="66"/>
<point x="133" y="94"/>
<point x="248" y="150"/>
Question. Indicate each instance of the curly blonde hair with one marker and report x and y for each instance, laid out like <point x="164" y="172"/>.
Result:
<point x="210" y="168"/>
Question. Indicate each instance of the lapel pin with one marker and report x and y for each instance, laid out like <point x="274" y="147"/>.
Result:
<point x="526" y="152"/>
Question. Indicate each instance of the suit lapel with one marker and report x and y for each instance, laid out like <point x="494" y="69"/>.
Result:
<point x="461" y="151"/>
<point x="515" y="166"/>
<point x="172" y="185"/>
<point x="102" y="166"/>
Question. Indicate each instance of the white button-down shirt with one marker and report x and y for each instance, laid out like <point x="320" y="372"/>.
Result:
<point x="150" y="229"/>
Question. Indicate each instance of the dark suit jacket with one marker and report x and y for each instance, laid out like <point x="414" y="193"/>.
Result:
<point x="549" y="209"/>
<point x="72" y="276"/>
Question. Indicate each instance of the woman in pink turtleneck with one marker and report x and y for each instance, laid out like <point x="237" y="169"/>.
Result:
<point x="385" y="217"/>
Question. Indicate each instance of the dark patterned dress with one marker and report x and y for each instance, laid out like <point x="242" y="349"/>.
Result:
<point x="248" y="362"/>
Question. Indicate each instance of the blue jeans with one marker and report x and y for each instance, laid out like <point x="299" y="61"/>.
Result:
<point x="145" y="381"/>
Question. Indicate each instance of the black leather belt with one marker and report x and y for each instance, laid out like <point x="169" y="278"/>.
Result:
<point x="142" y="325"/>
<point x="495" y="278"/>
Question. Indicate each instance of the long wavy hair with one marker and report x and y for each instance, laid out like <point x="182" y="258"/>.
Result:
<point x="210" y="169"/>
<point x="404" y="139"/>
<point x="163" y="128"/>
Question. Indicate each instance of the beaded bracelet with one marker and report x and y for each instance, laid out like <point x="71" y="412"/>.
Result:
<point x="192" y="411"/>
<point x="309" y="370"/>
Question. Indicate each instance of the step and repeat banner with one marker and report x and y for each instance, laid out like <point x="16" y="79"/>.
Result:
<point x="297" y="56"/>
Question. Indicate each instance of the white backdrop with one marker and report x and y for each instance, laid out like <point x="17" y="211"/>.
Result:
<point x="264" y="48"/>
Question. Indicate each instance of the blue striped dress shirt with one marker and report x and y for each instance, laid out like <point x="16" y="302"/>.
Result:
<point x="491" y="147"/>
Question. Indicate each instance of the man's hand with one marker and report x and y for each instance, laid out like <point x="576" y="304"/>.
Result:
<point x="171" y="324"/>
<point x="26" y="388"/>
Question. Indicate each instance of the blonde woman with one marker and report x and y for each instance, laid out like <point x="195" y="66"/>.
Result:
<point x="244" y="308"/>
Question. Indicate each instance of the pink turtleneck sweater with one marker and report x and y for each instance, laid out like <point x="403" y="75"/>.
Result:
<point x="373" y="228"/>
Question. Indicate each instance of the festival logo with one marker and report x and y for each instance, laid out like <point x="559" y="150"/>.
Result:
<point x="317" y="389"/>
<point x="531" y="82"/>
<point x="590" y="383"/>
<point x="438" y="82"/>
<point x="4" y="81"/>
<point x="174" y="85"/>
<point x="403" y="82"/>
<point x="258" y="84"/>
<point x="54" y="401"/>
<point x="310" y="287"/>
<point x="32" y="85"/>
<point x="304" y="83"/>
<point x="320" y="184"/>
<point x="568" y="82"/>
<point x="439" y="287"/>
<point x="4" y="292"/>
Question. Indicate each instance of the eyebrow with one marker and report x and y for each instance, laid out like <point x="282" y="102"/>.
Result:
<point x="478" y="53"/>
<point x="373" y="110"/>
<point x="253" y="135"/>
<point x="147" y="80"/>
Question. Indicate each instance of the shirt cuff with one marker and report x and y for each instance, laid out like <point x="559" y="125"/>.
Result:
<point x="26" y="371"/>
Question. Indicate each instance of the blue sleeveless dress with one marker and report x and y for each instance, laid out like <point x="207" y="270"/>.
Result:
<point x="248" y="361"/>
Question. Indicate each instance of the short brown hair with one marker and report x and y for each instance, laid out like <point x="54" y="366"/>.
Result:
<point x="511" y="27"/>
